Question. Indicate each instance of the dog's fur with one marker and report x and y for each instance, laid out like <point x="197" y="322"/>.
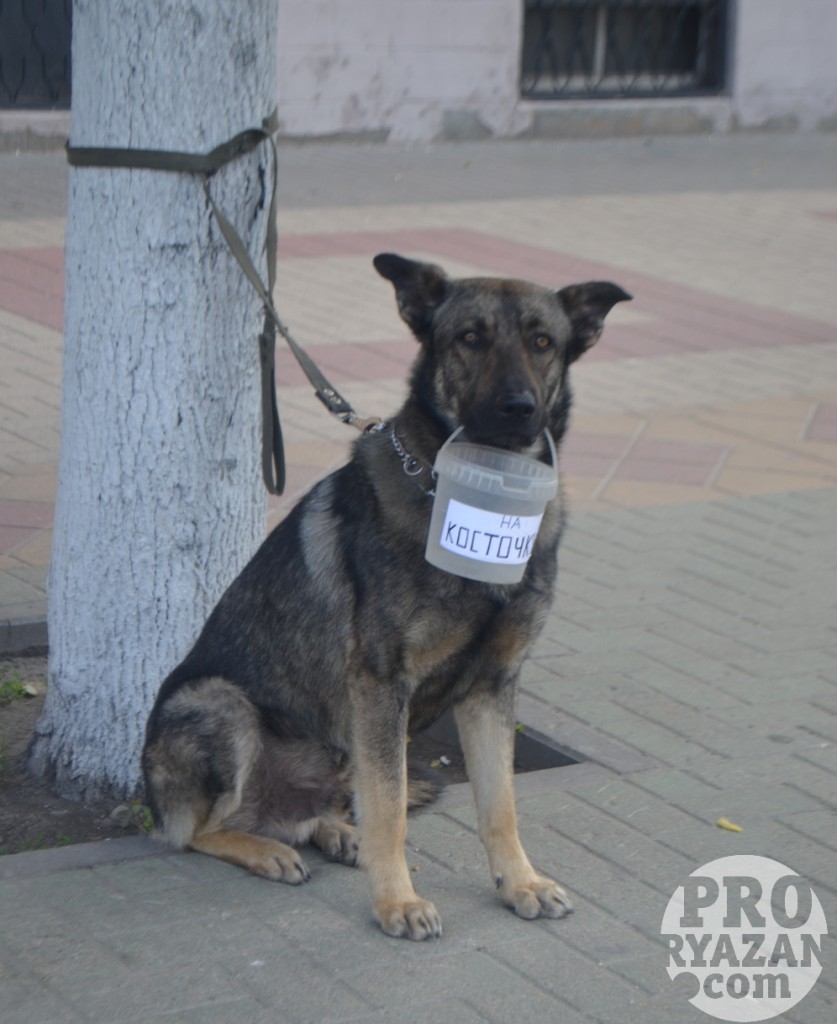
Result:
<point x="338" y="639"/>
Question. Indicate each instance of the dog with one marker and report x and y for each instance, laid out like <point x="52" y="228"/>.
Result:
<point x="290" y="716"/>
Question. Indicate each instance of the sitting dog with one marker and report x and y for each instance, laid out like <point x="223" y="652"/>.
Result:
<point x="291" y="712"/>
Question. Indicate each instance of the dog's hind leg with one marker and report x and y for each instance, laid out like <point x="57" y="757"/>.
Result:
<point x="267" y="858"/>
<point x="486" y="732"/>
<point x="203" y="744"/>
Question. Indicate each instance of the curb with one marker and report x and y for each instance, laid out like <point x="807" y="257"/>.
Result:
<point x="82" y="855"/>
<point x="23" y="636"/>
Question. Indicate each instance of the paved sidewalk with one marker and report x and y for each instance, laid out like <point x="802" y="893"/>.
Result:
<point x="692" y="655"/>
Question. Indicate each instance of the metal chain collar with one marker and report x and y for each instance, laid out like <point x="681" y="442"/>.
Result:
<point x="411" y="465"/>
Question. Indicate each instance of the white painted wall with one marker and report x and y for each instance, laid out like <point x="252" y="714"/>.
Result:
<point x="397" y="66"/>
<point x="416" y="70"/>
<point x="785" y="63"/>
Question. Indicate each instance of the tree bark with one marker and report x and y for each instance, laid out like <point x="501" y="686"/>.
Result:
<point x="160" y="501"/>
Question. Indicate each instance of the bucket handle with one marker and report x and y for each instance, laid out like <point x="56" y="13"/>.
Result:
<point x="551" y="444"/>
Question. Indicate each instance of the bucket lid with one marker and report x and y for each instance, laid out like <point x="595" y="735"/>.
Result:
<point x="497" y="471"/>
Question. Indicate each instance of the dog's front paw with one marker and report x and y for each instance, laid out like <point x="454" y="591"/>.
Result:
<point x="540" y="897"/>
<point x="415" y="919"/>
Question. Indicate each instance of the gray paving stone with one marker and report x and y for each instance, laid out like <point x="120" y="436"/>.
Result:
<point x="19" y="591"/>
<point x="603" y="939"/>
<point x="88" y="900"/>
<point x="142" y="995"/>
<point x="518" y="1002"/>
<point x="706" y="803"/>
<point x="788" y="726"/>
<point x="812" y="824"/>
<point x="63" y="953"/>
<point x="204" y="938"/>
<point x="731" y="679"/>
<point x="552" y="966"/>
<point x="431" y="1012"/>
<point x="564" y="688"/>
<point x="26" y="1003"/>
<point x="301" y="990"/>
<point x="781" y="664"/>
<point x="245" y="1009"/>
<point x="648" y="857"/>
<point x="642" y="735"/>
<point x="598" y="660"/>
<point x="482" y="981"/>
<point x="678" y="684"/>
<point x="818" y="1007"/>
<point x="715" y="731"/>
<point x="149" y="874"/>
<point x="664" y="822"/>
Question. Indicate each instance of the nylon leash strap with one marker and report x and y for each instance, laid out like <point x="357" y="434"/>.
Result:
<point x="206" y="165"/>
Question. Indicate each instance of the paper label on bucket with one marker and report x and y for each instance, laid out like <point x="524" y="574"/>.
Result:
<point x="488" y="536"/>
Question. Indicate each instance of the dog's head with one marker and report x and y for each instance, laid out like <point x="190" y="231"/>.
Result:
<point x="495" y="352"/>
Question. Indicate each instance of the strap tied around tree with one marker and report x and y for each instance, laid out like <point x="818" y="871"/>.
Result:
<point x="207" y="164"/>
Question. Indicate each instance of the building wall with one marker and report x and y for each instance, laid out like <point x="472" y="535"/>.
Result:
<point x="401" y="68"/>
<point x="785" y="71"/>
<point x="417" y="70"/>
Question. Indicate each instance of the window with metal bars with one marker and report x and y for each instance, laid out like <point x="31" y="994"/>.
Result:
<point x="35" y="53"/>
<point x="633" y="48"/>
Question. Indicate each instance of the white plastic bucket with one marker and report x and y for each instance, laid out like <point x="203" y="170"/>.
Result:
<point x="487" y="510"/>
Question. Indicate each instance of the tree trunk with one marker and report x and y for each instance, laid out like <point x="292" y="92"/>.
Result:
<point x="160" y="501"/>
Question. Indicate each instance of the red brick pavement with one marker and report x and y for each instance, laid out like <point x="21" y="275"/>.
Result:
<point x="676" y="320"/>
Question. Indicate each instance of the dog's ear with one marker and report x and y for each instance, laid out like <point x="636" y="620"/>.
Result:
<point x="419" y="288"/>
<point x="587" y="305"/>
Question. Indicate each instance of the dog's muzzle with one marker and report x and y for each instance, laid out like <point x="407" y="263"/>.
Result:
<point x="513" y="421"/>
<point x="517" y="406"/>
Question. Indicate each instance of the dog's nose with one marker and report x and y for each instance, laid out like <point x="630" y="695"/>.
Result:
<point x="518" y="405"/>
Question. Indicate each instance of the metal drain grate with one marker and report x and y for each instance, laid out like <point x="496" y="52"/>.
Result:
<point x="439" y="747"/>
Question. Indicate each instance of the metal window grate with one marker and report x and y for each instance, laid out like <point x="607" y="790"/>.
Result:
<point x="35" y="53"/>
<point x="632" y="48"/>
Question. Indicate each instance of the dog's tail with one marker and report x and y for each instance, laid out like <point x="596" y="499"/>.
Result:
<point x="423" y="785"/>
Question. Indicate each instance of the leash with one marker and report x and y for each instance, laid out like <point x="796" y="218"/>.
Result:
<point x="206" y="165"/>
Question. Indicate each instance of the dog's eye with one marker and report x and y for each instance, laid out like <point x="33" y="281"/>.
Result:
<point x="470" y="337"/>
<point x="542" y="342"/>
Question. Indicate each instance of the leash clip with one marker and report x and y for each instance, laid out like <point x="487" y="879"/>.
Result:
<point x="365" y="424"/>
